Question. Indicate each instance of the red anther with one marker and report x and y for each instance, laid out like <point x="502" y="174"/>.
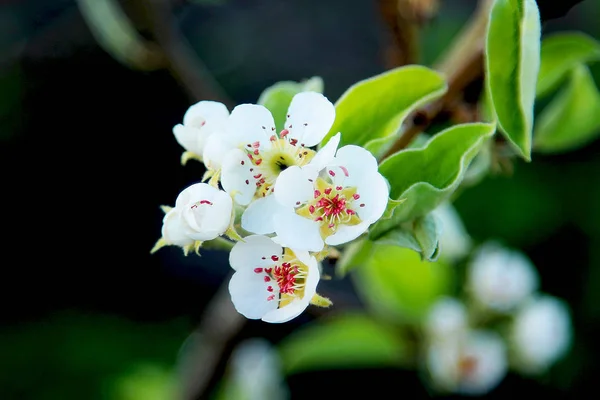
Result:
<point x="356" y="196"/>
<point x="328" y="190"/>
<point x="247" y="182"/>
<point x="256" y="152"/>
<point x="257" y="162"/>
<point x="331" y="225"/>
<point x="331" y="173"/>
<point x="318" y="219"/>
<point x="293" y="142"/>
<point x="286" y="265"/>
<point x="256" y="144"/>
<point x="362" y="205"/>
<point x="257" y="176"/>
<point x="271" y="297"/>
<point x="350" y="212"/>
<point x="284" y="133"/>
<point x="267" y="279"/>
<point x="317" y="193"/>
<point x="270" y="288"/>
<point x="311" y="209"/>
<point x="258" y="270"/>
<point x="274" y="258"/>
<point x="203" y="123"/>
<point x="272" y="138"/>
<point x="338" y="188"/>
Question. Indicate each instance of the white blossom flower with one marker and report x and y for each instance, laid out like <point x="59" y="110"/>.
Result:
<point x="250" y="154"/>
<point x="200" y="121"/>
<point x="541" y="333"/>
<point x="201" y="213"/>
<point x="446" y="318"/>
<point x="271" y="283"/>
<point x="455" y="243"/>
<point x="330" y="205"/>
<point x="500" y="278"/>
<point x="471" y="364"/>
<point x="256" y="371"/>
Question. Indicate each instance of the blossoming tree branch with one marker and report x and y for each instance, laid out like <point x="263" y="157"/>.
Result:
<point x="297" y="178"/>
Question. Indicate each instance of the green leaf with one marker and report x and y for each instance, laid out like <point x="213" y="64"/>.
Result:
<point x="420" y="235"/>
<point x="343" y="341"/>
<point x="277" y="98"/>
<point x="560" y="53"/>
<point x="427" y="176"/>
<point x="512" y="63"/>
<point x="354" y="255"/>
<point x="375" y="108"/>
<point x="572" y="119"/>
<point x="398" y="285"/>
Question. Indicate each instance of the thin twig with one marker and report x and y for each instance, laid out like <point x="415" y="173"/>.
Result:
<point x="462" y="64"/>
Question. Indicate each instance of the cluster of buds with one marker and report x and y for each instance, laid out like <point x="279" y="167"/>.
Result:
<point x="294" y="200"/>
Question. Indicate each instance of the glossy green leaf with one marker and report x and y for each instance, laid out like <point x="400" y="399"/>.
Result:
<point x="421" y="235"/>
<point x="426" y="176"/>
<point x="512" y="63"/>
<point x="397" y="284"/>
<point x="344" y="341"/>
<point x="561" y="52"/>
<point x="375" y="108"/>
<point x="277" y="98"/>
<point x="572" y="119"/>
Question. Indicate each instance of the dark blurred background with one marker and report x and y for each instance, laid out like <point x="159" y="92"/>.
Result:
<point x="88" y="156"/>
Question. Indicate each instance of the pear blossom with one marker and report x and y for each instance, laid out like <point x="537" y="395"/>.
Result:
<point x="250" y="153"/>
<point x="446" y="318"/>
<point x="470" y="364"/>
<point x="329" y="203"/>
<point x="270" y="282"/>
<point x="200" y="121"/>
<point x="202" y="212"/>
<point x="541" y="333"/>
<point x="500" y="278"/>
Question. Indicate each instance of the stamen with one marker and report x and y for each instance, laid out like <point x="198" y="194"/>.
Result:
<point x="258" y="270"/>
<point x="356" y="196"/>
<point x="274" y="258"/>
<point x="345" y="170"/>
<point x="331" y="173"/>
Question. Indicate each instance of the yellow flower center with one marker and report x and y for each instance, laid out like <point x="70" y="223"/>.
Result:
<point x="332" y="206"/>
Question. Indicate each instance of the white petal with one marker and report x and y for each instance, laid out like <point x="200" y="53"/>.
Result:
<point x="250" y="123"/>
<point x="311" y="116"/>
<point x="249" y="294"/>
<point x="255" y="251"/>
<point x="205" y="112"/>
<point x="489" y="351"/>
<point x="236" y="177"/>
<point x="195" y="193"/>
<point x="346" y="233"/>
<point x="209" y="220"/>
<point x="374" y="194"/>
<point x="326" y="154"/>
<point x="173" y="229"/>
<point x="259" y="217"/>
<point x="215" y="150"/>
<point x="191" y="139"/>
<point x="297" y="232"/>
<point x="355" y="163"/>
<point x="295" y="185"/>
<point x="295" y="308"/>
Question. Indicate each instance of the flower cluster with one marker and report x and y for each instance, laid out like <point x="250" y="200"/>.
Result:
<point x="294" y="200"/>
<point x="504" y="323"/>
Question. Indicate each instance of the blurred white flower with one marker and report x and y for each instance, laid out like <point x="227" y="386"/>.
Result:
<point x="541" y="333"/>
<point x="446" y="318"/>
<point x="256" y="371"/>
<point x="500" y="278"/>
<point x="471" y="364"/>
<point x="201" y="212"/>
<point x="200" y="121"/>
<point x="455" y="243"/>
<point x="271" y="283"/>
<point x="331" y="202"/>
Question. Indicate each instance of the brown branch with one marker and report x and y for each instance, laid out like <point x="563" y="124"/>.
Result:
<point x="462" y="64"/>
<point x="404" y="18"/>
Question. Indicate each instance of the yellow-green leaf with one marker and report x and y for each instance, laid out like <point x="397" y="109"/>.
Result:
<point x="512" y="61"/>
<point x="560" y="53"/>
<point x="374" y="108"/>
<point x="572" y="119"/>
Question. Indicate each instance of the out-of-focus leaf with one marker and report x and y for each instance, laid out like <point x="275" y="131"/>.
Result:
<point x="421" y="235"/>
<point x="146" y="382"/>
<point x="561" y="52"/>
<point x="512" y="63"/>
<point x="277" y="98"/>
<point x="343" y="341"/>
<point x="374" y="108"/>
<point x="572" y="119"/>
<point x="427" y="176"/>
<point x="355" y="254"/>
<point x="397" y="284"/>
